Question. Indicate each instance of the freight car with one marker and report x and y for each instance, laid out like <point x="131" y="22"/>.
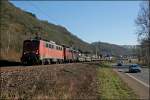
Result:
<point x="37" y="51"/>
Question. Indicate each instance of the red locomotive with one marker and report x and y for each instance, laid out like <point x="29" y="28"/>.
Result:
<point x="37" y="51"/>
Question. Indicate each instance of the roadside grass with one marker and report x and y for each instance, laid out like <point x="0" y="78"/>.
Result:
<point x="91" y="81"/>
<point x="105" y="65"/>
<point x="111" y="86"/>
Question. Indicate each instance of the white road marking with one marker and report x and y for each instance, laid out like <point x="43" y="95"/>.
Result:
<point x="120" y="70"/>
<point x="146" y="85"/>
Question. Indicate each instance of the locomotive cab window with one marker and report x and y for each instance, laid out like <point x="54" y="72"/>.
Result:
<point x="50" y="46"/>
<point x="57" y="48"/>
<point x="30" y="45"/>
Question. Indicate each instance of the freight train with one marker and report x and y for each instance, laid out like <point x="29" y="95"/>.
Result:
<point x="38" y="51"/>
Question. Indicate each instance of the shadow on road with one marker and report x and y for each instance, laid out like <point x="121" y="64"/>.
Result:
<point x="126" y="72"/>
<point x="5" y="63"/>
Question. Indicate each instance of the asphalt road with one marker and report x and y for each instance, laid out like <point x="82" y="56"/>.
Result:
<point x="142" y="76"/>
<point x="139" y="82"/>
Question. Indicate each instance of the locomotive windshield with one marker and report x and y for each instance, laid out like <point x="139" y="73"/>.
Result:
<point x="30" y="45"/>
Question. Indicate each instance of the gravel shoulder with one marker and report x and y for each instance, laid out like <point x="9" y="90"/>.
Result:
<point x="138" y="88"/>
<point x="59" y="81"/>
<point x="91" y="81"/>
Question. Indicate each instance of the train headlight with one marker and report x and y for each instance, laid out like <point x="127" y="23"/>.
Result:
<point x="37" y="52"/>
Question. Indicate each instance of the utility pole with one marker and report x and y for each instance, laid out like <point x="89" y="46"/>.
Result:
<point x="96" y="51"/>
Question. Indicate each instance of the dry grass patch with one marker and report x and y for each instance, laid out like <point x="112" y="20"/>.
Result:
<point x="64" y="81"/>
<point x="110" y="85"/>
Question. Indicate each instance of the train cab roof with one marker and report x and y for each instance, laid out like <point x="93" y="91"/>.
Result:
<point x="31" y="40"/>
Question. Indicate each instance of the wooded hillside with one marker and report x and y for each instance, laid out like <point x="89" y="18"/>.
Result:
<point x="18" y="25"/>
<point x="111" y="49"/>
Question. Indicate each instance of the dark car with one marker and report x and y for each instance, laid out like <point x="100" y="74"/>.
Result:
<point x="134" y="68"/>
<point x="119" y="64"/>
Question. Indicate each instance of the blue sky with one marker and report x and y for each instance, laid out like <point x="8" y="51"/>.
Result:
<point x="106" y="21"/>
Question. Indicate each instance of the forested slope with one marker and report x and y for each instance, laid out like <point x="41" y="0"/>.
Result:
<point x="18" y="25"/>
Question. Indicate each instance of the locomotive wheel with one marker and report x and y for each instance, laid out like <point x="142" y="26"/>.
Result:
<point x="40" y="62"/>
<point x="46" y="62"/>
<point x="43" y="62"/>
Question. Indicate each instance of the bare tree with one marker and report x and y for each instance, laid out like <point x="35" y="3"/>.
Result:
<point x="142" y="23"/>
<point x="9" y="37"/>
